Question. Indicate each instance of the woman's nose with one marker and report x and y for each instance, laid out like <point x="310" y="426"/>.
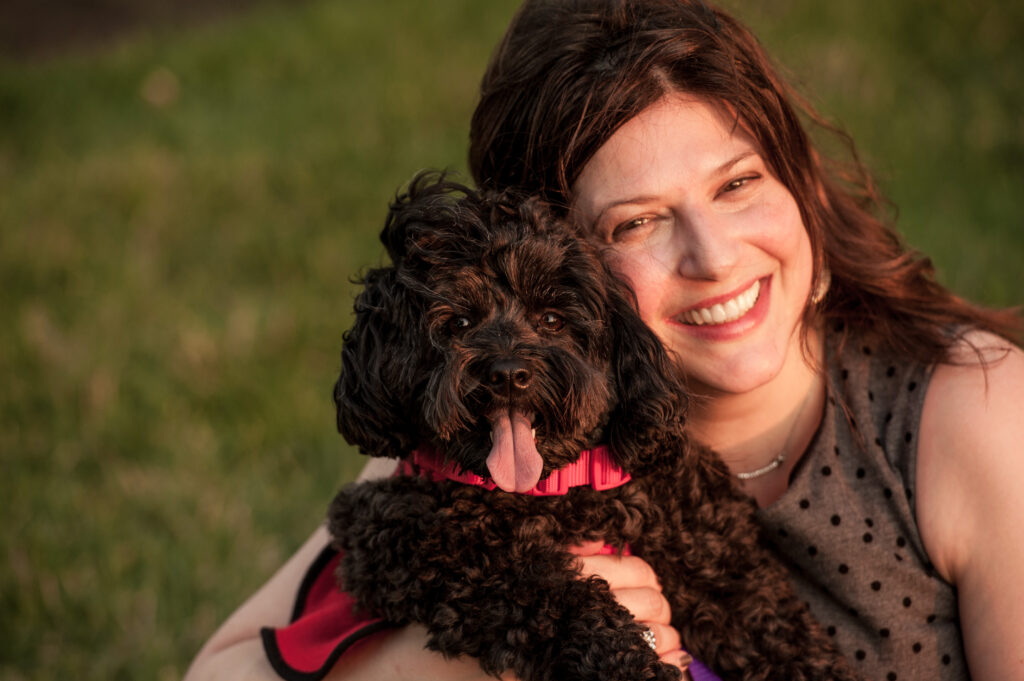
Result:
<point x="706" y="248"/>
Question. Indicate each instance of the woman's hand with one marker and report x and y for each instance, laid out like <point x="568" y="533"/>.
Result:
<point x="635" y="586"/>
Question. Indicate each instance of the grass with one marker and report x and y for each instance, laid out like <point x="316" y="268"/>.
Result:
<point x="180" y="218"/>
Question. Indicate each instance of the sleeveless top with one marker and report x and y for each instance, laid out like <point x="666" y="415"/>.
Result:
<point x="846" y="526"/>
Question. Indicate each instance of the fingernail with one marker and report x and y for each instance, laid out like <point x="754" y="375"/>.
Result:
<point x="677" y="658"/>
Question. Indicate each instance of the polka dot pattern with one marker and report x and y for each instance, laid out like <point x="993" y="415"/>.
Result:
<point x="847" y="528"/>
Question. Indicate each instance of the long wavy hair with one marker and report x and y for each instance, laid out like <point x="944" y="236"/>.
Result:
<point x="569" y="73"/>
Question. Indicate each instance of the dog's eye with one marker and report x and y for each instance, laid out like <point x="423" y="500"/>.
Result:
<point x="459" y="324"/>
<point x="549" y="321"/>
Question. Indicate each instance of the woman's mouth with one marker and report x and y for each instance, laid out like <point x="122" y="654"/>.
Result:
<point x="723" y="312"/>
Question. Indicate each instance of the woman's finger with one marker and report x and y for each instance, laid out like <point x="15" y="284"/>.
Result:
<point x="668" y="647"/>
<point x="678" y="658"/>
<point x="666" y="638"/>
<point x="646" y="604"/>
<point x="620" y="571"/>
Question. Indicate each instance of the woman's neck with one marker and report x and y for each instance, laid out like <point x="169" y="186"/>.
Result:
<point x="751" y="430"/>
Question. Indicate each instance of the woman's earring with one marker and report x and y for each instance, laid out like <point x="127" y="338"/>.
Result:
<point x="821" y="288"/>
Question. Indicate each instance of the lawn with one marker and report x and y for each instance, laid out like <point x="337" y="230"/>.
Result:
<point x="180" y="218"/>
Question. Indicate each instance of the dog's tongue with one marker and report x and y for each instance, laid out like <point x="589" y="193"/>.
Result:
<point x="514" y="463"/>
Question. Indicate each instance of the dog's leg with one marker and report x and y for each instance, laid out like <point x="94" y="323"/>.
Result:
<point x="514" y="605"/>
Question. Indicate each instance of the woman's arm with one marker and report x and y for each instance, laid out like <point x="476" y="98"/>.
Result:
<point x="970" y="503"/>
<point x="235" y="651"/>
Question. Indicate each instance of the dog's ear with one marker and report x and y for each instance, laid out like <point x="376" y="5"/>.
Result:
<point x="649" y="391"/>
<point x="418" y="223"/>
<point x="379" y="365"/>
<point x="386" y="346"/>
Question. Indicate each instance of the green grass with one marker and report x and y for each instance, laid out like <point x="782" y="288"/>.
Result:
<point x="175" y="273"/>
<point x="933" y="94"/>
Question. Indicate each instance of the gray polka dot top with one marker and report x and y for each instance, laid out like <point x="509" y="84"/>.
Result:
<point x="846" y="526"/>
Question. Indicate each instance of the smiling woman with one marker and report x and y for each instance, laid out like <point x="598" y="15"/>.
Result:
<point x="662" y="129"/>
<point x="701" y="228"/>
<point x="871" y="413"/>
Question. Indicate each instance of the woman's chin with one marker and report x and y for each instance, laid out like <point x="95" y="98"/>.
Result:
<point x="733" y="370"/>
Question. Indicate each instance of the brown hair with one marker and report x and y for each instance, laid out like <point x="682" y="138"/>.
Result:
<point x="569" y="73"/>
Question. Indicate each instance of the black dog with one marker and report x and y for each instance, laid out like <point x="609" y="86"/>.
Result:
<point x="499" y="345"/>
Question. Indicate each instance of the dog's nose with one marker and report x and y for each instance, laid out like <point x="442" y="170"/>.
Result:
<point x="509" y="374"/>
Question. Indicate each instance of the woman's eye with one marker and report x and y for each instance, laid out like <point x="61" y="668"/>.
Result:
<point x="634" y="223"/>
<point x="549" y="321"/>
<point x="459" y="324"/>
<point x="628" y="226"/>
<point x="738" y="183"/>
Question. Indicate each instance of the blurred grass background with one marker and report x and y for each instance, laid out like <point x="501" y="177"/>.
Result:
<point x="181" y="211"/>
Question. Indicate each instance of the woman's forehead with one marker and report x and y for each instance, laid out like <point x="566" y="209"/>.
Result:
<point x="678" y="139"/>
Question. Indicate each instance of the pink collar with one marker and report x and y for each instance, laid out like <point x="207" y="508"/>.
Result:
<point x="595" y="468"/>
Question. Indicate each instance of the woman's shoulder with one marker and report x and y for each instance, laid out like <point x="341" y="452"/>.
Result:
<point x="969" y="471"/>
<point x="981" y="364"/>
<point x="975" y="400"/>
<point x="972" y="428"/>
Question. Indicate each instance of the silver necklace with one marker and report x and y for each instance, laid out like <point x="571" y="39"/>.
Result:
<point x="781" y="456"/>
<point x="763" y="470"/>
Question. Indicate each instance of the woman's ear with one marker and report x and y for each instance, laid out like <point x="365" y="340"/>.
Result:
<point x="379" y="367"/>
<point x="651" y="400"/>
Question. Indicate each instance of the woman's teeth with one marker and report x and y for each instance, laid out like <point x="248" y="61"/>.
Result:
<point x="720" y="313"/>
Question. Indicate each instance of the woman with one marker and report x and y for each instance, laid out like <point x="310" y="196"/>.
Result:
<point x="871" y="414"/>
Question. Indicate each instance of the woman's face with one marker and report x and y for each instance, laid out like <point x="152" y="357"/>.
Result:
<point x="711" y="242"/>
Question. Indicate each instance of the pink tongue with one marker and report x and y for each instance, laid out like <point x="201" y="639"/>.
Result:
<point x="514" y="463"/>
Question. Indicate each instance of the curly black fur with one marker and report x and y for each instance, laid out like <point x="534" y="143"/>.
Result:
<point x="478" y="280"/>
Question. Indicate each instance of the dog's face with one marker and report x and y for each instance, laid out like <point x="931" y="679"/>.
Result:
<point x="496" y="337"/>
<point x="517" y="379"/>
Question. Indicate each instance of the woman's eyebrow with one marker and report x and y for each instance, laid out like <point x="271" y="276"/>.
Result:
<point x="623" y="202"/>
<point x="727" y="166"/>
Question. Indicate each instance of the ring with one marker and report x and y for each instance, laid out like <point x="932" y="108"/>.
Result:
<point x="650" y="638"/>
